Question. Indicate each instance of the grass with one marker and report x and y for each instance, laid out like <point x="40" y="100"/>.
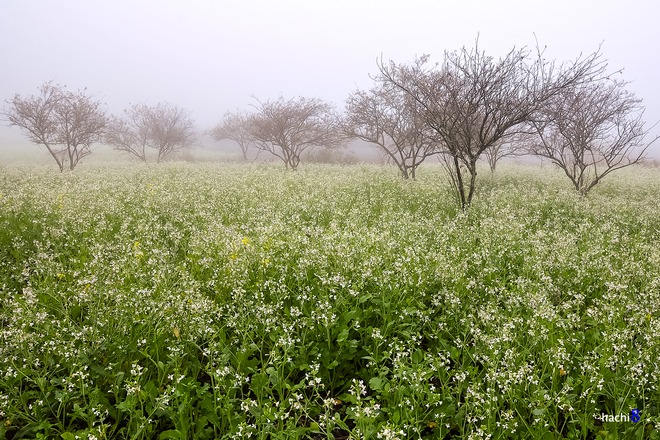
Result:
<point x="234" y="301"/>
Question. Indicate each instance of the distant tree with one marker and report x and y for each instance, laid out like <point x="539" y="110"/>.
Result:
<point x="496" y="152"/>
<point x="591" y="130"/>
<point x="506" y="147"/>
<point x="66" y="123"/>
<point x="287" y="128"/>
<point x="236" y="127"/>
<point x="165" y="128"/>
<point x="473" y="101"/>
<point x="390" y="119"/>
<point x="130" y="133"/>
<point x="171" y="129"/>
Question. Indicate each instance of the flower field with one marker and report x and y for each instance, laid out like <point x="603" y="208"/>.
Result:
<point x="212" y="301"/>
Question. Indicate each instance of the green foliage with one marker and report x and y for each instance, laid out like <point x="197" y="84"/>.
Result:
<point x="226" y="301"/>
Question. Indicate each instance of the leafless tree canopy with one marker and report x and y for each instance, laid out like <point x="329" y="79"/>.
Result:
<point x="164" y="128"/>
<point x="66" y="123"/>
<point x="130" y="133"/>
<point x="509" y="146"/>
<point x="172" y="129"/>
<point x="473" y="101"/>
<point x="591" y="130"/>
<point x="236" y="127"/>
<point x="287" y="128"/>
<point x="389" y="118"/>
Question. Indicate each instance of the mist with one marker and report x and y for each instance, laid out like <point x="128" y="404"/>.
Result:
<point x="213" y="57"/>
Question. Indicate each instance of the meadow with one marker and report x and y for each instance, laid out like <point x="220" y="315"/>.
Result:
<point x="192" y="300"/>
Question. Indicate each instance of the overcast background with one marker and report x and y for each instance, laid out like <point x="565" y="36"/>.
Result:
<point x="212" y="56"/>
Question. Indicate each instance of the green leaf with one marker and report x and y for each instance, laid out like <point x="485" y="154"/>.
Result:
<point x="376" y="383"/>
<point x="76" y="312"/>
<point x="342" y="336"/>
<point x="340" y="422"/>
<point x="172" y="433"/>
<point x="364" y="297"/>
<point x="272" y="373"/>
<point x="348" y="398"/>
<point x="68" y="436"/>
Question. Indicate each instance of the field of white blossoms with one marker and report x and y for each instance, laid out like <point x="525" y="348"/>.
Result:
<point x="212" y="301"/>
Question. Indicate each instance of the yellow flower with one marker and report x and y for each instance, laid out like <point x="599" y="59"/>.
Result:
<point x="137" y="244"/>
<point x="60" y="275"/>
<point x="432" y="425"/>
<point x="562" y="372"/>
<point x="245" y="240"/>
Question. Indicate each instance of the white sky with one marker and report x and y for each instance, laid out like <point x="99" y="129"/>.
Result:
<point x="212" y="56"/>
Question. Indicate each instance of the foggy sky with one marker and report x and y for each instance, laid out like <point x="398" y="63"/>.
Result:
<point x="212" y="56"/>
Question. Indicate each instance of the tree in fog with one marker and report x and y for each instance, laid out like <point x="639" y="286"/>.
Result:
<point x="66" y="123"/>
<point x="388" y="117"/>
<point x="287" y="128"/>
<point x="591" y="130"/>
<point x="472" y="101"/>
<point x="164" y="128"/>
<point x="236" y="127"/>
<point x="131" y="132"/>
<point x="506" y="147"/>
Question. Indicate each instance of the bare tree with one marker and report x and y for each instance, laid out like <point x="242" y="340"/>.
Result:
<point x="473" y="101"/>
<point x="591" y="130"/>
<point x="506" y="147"/>
<point x="130" y="133"/>
<point x="236" y="127"/>
<point x="66" y="123"/>
<point x="390" y="119"/>
<point x="165" y="128"/>
<point x="287" y="128"/>
<point x="172" y="129"/>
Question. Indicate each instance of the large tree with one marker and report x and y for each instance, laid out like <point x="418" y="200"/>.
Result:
<point x="473" y="101"/>
<point x="390" y="119"/>
<point x="66" y="123"/>
<point x="287" y="128"/>
<point x="164" y="128"/>
<point x="591" y="130"/>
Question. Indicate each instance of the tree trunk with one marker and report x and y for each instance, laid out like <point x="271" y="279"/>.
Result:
<point x="473" y="182"/>
<point x="459" y="183"/>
